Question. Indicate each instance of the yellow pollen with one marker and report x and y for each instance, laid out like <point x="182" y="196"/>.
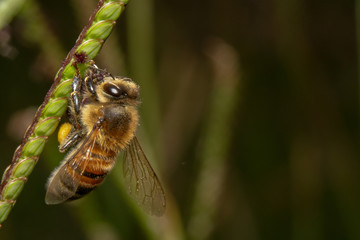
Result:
<point x="64" y="131"/>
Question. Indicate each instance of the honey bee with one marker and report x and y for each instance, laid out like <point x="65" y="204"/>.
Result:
<point x="104" y="117"/>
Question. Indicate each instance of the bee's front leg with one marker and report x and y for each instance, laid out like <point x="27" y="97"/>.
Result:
<point x="75" y="105"/>
<point x="89" y="83"/>
<point x="75" y="94"/>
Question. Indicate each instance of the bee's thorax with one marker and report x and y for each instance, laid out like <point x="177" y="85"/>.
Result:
<point x="119" y="124"/>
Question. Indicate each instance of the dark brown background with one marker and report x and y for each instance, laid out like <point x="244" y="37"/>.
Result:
<point x="249" y="114"/>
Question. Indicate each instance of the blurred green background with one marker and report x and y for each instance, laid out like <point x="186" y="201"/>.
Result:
<point x="249" y="115"/>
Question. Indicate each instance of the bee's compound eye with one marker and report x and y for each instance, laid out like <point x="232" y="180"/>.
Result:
<point x="114" y="91"/>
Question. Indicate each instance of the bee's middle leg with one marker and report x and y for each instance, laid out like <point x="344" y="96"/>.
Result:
<point x="71" y="133"/>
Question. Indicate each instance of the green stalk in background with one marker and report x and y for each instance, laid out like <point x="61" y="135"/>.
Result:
<point x="55" y="103"/>
<point x="357" y="25"/>
<point x="141" y="45"/>
<point x="216" y="140"/>
<point x="8" y="9"/>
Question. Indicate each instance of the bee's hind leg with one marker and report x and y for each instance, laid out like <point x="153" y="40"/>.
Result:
<point x="68" y="136"/>
<point x="70" y="140"/>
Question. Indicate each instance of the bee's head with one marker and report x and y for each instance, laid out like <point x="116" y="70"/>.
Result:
<point x="118" y="90"/>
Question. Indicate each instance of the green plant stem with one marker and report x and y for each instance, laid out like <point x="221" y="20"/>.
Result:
<point x="88" y="44"/>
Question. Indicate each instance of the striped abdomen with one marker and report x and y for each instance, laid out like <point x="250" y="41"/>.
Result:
<point x="82" y="171"/>
<point x="92" y="171"/>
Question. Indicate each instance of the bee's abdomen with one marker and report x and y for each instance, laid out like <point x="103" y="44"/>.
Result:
<point x="97" y="167"/>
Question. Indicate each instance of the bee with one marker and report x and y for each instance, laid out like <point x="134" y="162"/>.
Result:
<point x="103" y="120"/>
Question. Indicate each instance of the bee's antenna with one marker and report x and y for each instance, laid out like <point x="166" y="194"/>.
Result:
<point x="93" y="66"/>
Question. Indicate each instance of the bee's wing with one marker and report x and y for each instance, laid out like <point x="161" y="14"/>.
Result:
<point x="141" y="180"/>
<point x="64" y="181"/>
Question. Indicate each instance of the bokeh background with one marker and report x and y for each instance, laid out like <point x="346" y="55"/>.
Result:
<point x="249" y="116"/>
